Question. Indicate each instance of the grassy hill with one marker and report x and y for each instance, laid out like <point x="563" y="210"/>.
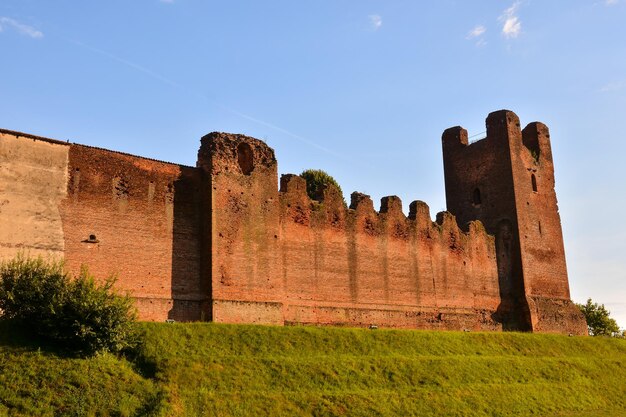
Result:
<point x="228" y="370"/>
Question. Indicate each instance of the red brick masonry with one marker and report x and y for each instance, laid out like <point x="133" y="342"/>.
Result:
<point x="220" y="242"/>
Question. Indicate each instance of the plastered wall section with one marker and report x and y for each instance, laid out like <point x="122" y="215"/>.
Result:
<point x="140" y="220"/>
<point x="33" y="182"/>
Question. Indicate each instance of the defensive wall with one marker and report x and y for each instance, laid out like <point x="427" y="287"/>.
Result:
<point x="222" y="242"/>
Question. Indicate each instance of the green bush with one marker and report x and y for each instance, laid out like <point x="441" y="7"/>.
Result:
<point x="316" y="181"/>
<point x="76" y="313"/>
<point x="599" y="321"/>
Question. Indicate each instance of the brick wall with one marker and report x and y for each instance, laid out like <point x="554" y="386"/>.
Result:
<point x="246" y="284"/>
<point x="140" y="220"/>
<point x="222" y="242"/>
<point x="356" y="266"/>
<point x="283" y="258"/>
<point x="507" y="181"/>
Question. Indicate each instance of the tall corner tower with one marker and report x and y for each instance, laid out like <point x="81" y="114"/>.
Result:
<point x="243" y="236"/>
<point x="506" y="181"/>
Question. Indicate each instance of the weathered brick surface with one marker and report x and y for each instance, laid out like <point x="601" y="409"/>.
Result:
<point x="360" y="267"/>
<point x="244" y="233"/>
<point x="507" y="182"/>
<point x="142" y="221"/>
<point x="222" y="242"/>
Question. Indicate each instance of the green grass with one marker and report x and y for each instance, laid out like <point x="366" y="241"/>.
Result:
<point x="41" y="382"/>
<point x="228" y="370"/>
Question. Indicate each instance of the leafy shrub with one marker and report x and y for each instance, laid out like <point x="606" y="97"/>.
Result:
<point x="598" y="319"/>
<point x="74" y="312"/>
<point x="316" y="181"/>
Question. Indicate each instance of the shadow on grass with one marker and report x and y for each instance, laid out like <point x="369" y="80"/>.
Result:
<point x="16" y="338"/>
<point x="143" y="365"/>
<point x="21" y="338"/>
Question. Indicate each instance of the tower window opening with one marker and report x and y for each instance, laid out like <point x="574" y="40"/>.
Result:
<point x="476" y="199"/>
<point x="533" y="181"/>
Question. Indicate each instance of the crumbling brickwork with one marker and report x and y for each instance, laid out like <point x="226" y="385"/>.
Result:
<point x="223" y="242"/>
<point x="506" y="181"/>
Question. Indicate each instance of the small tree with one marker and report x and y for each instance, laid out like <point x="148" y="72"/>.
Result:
<point x="77" y="313"/>
<point x="598" y="319"/>
<point x="316" y="181"/>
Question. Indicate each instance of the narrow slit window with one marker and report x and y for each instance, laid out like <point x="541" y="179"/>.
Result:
<point x="533" y="181"/>
<point x="476" y="199"/>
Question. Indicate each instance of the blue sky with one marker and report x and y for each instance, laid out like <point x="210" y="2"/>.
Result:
<point x="362" y="89"/>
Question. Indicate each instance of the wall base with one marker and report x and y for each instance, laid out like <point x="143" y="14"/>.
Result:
<point x="554" y="315"/>
<point x="249" y="312"/>
<point x="161" y="309"/>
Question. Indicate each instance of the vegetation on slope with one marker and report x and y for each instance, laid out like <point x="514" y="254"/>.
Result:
<point x="75" y="313"/>
<point x="38" y="381"/>
<point x="599" y="321"/>
<point x="230" y="370"/>
<point x="324" y="371"/>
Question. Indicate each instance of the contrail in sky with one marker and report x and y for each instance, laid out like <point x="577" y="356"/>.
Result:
<point x="199" y="95"/>
<point x="280" y="129"/>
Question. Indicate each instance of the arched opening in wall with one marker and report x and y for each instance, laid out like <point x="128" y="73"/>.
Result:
<point x="91" y="239"/>
<point x="245" y="158"/>
<point x="476" y="198"/>
<point x="533" y="181"/>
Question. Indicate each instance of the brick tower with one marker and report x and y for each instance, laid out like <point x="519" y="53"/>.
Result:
<point x="245" y="279"/>
<point x="507" y="182"/>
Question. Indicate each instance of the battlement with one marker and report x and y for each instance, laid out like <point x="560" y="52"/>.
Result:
<point x="222" y="242"/>
<point x="502" y="125"/>
<point x="293" y="191"/>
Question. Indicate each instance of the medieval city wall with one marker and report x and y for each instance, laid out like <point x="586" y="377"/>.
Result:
<point x="224" y="241"/>
<point x="135" y="218"/>
<point x="141" y="220"/>
<point x="357" y="266"/>
<point x="282" y="258"/>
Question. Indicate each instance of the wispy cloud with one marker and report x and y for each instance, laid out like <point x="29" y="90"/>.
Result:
<point x="22" y="29"/>
<point x="477" y="34"/>
<point x="611" y="2"/>
<point x="511" y="25"/>
<point x="375" y="21"/>
<point x="613" y="86"/>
